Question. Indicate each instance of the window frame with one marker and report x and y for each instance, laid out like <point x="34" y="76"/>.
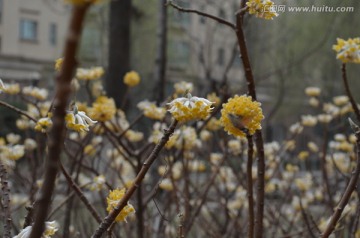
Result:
<point x="53" y="32"/>
<point x="28" y="30"/>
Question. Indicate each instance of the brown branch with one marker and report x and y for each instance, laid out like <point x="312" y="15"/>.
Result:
<point x="21" y="112"/>
<point x="356" y="220"/>
<point x="250" y="186"/>
<point x="258" y="134"/>
<point x="5" y="200"/>
<point x="349" y="189"/>
<point x="56" y="138"/>
<point x="108" y="220"/>
<point x="306" y="219"/>
<point x="181" y="226"/>
<point x="349" y="94"/>
<point x="215" y="18"/>
<point x="80" y="194"/>
<point x="28" y="217"/>
<point x="161" y="58"/>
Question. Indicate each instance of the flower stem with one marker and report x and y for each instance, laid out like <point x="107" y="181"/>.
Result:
<point x="349" y="94"/>
<point x="258" y="134"/>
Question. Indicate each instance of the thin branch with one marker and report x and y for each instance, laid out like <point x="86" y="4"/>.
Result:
<point x="250" y="186"/>
<point x="5" y="200"/>
<point x="108" y="220"/>
<point x="215" y="18"/>
<point x="80" y="194"/>
<point x="161" y="58"/>
<point x="56" y="138"/>
<point x="28" y="217"/>
<point x="21" y="112"/>
<point x="306" y="219"/>
<point x="349" y="94"/>
<point x="349" y="189"/>
<point x="258" y="134"/>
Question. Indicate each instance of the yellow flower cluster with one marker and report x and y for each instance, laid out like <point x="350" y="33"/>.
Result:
<point x="213" y="98"/>
<point x="166" y="184"/>
<point x="12" y="89"/>
<point x="151" y="111"/>
<point x="58" y="64"/>
<point x="113" y="199"/>
<point x="190" y="108"/>
<point x="186" y="138"/>
<point x="98" y="183"/>
<point x="213" y="124"/>
<point x="78" y="121"/>
<point x="103" y="109"/>
<point x="262" y="9"/>
<point x="89" y="74"/>
<point x="90" y="150"/>
<point x="35" y="92"/>
<point x="183" y="87"/>
<point x="241" y="115"/>
<point x="134" y="136"/>
<point x="13" y="152"/>
<point x="312" y="91"/>
<point x="43" y="124"/>
<point x="348" y="51"/>
<point x="131" y="79"/>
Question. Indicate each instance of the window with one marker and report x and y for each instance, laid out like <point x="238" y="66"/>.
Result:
<point x="221" y="56"/>
<point x="53" y="34"/>
<point x="28" y="30"/>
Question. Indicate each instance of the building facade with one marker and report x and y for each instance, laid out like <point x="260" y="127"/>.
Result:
<point x="201" y="48"/>
<point x="31" y="38"/>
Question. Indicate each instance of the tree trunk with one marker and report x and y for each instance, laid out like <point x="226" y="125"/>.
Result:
<point x="161" y="51"/>
<point x="119" y="48"/>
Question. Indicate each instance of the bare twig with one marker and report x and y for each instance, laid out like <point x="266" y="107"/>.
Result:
<point x="21" y="112"/>
<point x="105" y="224"/>
<point x="356" y="220"/>
<point x="215" y="18"/>
<point x="28" y="217"/>
<point x="258" y="134"/>
<point x="250" y="186"/>
<point x="5" y="200"/>
<point x="306" y="219"/>
<point x="349" y="189"/>
<point x="181" y="227"/>
<point x="56" y="139"/>
<point x="80" y="194"/>
<point x="161" y="58"/>
<point x="349" y="94"/>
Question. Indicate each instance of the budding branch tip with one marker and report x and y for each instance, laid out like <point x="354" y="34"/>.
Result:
<point x="353" y="125"/>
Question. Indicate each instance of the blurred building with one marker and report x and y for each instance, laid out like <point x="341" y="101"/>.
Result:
<point x="198" y="49"/>
<point x="201" y="48"/>
<point x="31" y="38"/>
